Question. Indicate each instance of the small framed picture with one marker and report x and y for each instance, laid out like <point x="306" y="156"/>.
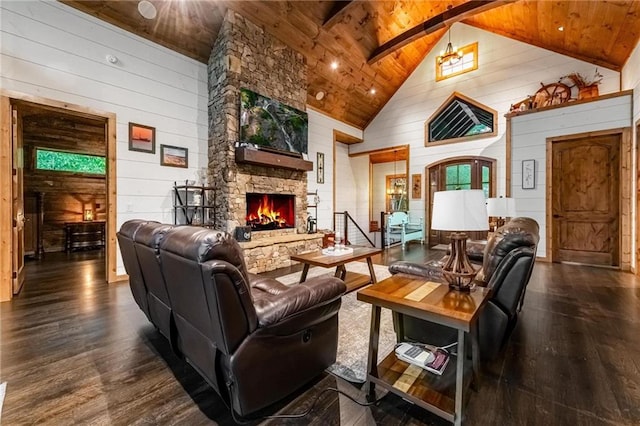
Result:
<point x="528" y="174"/>
<point x="320" y="171"/>
<point x="142" y="138"/>
<point x="416" y="186"/>
<point x="174" y="156"/>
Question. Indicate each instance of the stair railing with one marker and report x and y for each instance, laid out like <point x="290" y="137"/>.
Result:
<point x="344" y="223"/>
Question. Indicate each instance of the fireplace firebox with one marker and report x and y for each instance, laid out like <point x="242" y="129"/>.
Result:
<point x="270" y="211"/>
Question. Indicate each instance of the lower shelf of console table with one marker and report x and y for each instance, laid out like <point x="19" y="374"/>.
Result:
<point x="84" y="235"/>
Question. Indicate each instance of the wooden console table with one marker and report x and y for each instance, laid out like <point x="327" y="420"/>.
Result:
<point x="83" y="235"/>
<point x="437" y="303"/>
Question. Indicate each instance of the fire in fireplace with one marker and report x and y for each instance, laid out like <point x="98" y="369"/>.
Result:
<point x="270" y="211"/>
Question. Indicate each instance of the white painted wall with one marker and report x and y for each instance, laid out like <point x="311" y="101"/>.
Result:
<point x="52" y="51"/>
<point x="500" y="80"/>
<point x="321" y="140"/>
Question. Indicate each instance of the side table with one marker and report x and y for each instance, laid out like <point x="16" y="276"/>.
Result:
<point x="437" y="303"/>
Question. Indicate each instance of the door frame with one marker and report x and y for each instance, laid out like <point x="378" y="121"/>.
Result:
<point x="637" y="150"/>
<point x="625" y="190"/>
<point x="7" y="98"/>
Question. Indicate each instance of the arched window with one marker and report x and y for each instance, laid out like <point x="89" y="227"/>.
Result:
<point x="459" y="173"/>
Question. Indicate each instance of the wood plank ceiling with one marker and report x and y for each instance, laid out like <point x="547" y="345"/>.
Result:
<point x="601" y="32"/>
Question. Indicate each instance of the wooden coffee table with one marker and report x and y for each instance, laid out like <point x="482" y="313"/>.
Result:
<point x="437" y="303"/>
<point x="352" y="279"/>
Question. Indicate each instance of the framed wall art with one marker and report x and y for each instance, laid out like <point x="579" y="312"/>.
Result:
<point x="416" y="186"/>
<point x="174" y="156"/>
<point x="528" y="174"/>
<point x="142" y="138"/>
<point x="320" y="167"/>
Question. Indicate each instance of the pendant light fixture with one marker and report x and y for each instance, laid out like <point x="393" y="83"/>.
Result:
<point x="450" y="55"/>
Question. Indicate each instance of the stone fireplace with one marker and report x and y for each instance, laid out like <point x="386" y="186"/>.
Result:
<point x="245" y="56"/>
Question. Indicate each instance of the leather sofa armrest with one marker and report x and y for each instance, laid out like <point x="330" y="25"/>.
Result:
<point x="427" y="270"/>
<point x="275" y="301"/>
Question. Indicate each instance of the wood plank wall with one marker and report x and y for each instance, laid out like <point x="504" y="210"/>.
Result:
<point x="65" y="194"/>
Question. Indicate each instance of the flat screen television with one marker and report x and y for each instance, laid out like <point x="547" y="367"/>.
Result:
<point x="270" y="124"/>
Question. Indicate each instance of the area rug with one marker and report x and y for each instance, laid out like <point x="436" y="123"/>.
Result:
<point x="354" y="319"/>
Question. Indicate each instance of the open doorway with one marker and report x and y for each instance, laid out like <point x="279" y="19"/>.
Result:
<point x="388" y="182"/>
<point x="62" y="180"/>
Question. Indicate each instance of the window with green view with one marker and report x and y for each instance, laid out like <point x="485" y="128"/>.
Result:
<point x="69" y="162"/>
<point x="458" y="177"/>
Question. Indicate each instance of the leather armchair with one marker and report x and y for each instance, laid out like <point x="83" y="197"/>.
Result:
<point x="253" y="339"/>
<point x="508" y="261"/>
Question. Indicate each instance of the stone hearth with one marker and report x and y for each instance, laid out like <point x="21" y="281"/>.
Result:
<point x="271" y="249"/>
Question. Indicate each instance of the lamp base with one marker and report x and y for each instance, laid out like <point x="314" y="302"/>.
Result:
<point x="458" y="271"/>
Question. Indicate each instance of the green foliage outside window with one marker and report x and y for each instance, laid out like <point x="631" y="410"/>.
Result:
<point x="70" y="162"/>
<point x="458" y="177"/>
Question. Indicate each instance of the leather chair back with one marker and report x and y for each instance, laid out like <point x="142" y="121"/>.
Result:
<point x="519" y="232"/>
<point x="126" y="237"/>
<point x="508" y="261"/>
<point x="209" y="290"/>
<point x="147" y="240"/>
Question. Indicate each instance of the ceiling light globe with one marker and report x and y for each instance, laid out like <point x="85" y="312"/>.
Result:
<point x="147" y="9"/>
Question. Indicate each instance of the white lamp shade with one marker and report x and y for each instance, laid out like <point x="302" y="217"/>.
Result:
<point x="501" y="207"/>
<point x="461" y="210"/>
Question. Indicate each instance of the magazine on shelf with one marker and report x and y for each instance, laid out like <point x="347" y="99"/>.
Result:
<point x="429" y="357"/>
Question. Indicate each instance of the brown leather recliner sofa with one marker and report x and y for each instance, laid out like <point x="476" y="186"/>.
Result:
<point x="253" y="339"/>
<point x="507" y="264"/>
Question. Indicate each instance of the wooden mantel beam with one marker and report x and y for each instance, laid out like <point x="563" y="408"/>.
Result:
<point x="335" y="13"/>
<point x="445" y="19"/>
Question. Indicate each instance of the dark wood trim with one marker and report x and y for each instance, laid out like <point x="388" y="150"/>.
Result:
<point x="269" y="159"/>
<point x="443" y="20"/>
<point x="335" y="14"/>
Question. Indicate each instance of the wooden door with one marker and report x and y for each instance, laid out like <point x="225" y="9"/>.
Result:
<point x="17" y="203"/>
<point x="585" y="200"/>
<point x="30" y="225"/>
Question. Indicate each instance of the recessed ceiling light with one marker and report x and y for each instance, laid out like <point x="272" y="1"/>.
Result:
<point x="372" y="91"/>
<point x="320" y="95"/>
<point x="334" y="65"/>
<point x="560" y="28"/>
<point x="147" y="9"/>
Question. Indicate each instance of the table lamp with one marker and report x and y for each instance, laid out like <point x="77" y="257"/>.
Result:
<point x="501" y="208"/>
<point x="459" y="211"/>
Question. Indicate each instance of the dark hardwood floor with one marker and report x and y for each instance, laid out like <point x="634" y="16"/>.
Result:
<point x="75" y="350"/>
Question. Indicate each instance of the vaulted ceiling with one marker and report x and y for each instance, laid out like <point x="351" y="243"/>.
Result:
<point x="377" y="44"/>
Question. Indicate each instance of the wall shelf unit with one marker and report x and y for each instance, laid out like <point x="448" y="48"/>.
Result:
<point x="193" y="204"/>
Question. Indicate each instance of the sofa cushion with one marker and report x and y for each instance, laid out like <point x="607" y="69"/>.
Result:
<point x="275" y="301"/>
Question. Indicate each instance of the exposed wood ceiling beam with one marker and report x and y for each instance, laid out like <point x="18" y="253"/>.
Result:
<point x="335" y="14"/>
<point x="443" y="20"/>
